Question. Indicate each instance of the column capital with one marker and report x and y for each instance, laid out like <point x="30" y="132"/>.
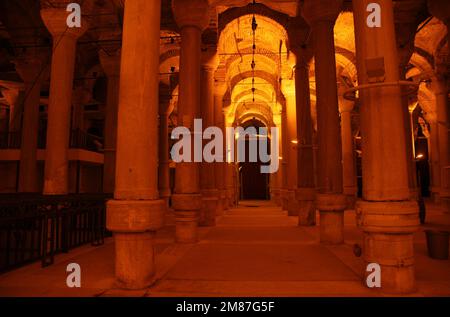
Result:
<point x="210" y="59"/>
<point x="55" y="20"/>
<point x="288" y="87"/>
<point x="194" y="13"/>
<point x="81" y="96"/>
<point x="344" y="104"/>
<point x="11" y="95"/>
<point x="220" y="88"/>
<point x="315" y="11"/>
<point x="110" y="63"/>
<point x="30" y="67"/>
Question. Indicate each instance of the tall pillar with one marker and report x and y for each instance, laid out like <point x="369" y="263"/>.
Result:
<point x="440" y="91"/>
<point x="229" y="172"/>
<point x="61" y="83"/>
<point x="275" y="190"/>
<point x="111" y="66"/>
<point x="12" y="96"/>
<point x="209" y="191"/>
<point x="192" y="17"/>
<point x="348" y="149"/>
<point x="433" y="148"/>
<point x="165" y="108"/>
<point x="288" y="88"/>
<point x="285" y="159"/>
<point x="386" y="214"/>
<point x="219" y="119"/>
<point x="305" y="192"/>
<point x="136" y="211"/>
<point x="330" y="201"/>
<point x="31" y="70"/>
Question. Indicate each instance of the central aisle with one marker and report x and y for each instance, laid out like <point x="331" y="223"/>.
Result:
<point x="257" y="250"/>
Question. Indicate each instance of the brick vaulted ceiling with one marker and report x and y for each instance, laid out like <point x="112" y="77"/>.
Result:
<point x="22" y="30"/>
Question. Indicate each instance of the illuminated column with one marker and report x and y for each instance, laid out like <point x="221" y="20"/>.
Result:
<point x="61" y="82"/>
<point x="219" y="91"/>
<point x="305" y="192"/>
<point x="229" y="168"/>
<point x="433" y="144"/>
<point x="165" y="108"/>
<point x="284" y="193"/>
<point x="192" y="17"/>
<point x="136" y="211"/>
<point x="348" y="148"/>
<point x="31" y="70"/>
<point x="210" y="193"/>
<point x="288" y="88"/>
<point x="111" y="66"/>
<point x="330" y="201"/>
<point x="276" y="177"/>
<point x="386" y="214"/>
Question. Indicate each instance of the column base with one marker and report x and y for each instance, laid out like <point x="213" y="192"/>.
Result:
<point x="275" y="196"/>
<point x="207" y="217"/>
<point x="331" y="208"/>
<point x="164" y="194"/>
<point x="224" y="198"/>
<point x="388" y="241"/>
<point x="292" y="203"/>
<point x="306" y="206"/>
<point x="230" y="195"/>
<point x="134" y="224"/>
<point x="187" y="207"/>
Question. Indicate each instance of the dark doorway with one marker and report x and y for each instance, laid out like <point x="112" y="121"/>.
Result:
<point x="254" y="184"/>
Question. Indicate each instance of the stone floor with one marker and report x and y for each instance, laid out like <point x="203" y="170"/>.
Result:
<point x="255" y="250"/>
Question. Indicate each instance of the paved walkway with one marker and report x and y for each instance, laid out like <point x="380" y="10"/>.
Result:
<point x="255" y="250"/>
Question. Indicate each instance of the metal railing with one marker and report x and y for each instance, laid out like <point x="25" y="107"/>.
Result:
<point x="36" y="228"/>
<point x="80" y="139"/>
<point x="10" y="140"/>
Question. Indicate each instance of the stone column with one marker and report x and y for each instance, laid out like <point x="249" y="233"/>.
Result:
<point x="136" y="211"/>
<point x="12" y="96"/>
<point x="192" y="17"/>
<point x="386" y="214"/>
<point x="305" y="192"/>
<point x="229" y="173"/>
<point x="219" y="91"/>
<point x="31" y="70"/>
<point x="111" y="66"/>
<point x="165" y="109"/>
<point x="209" y="191"/>
<point x="288" y="88"/>
<point x="440" y="91"/>
<point x="433" y="143"/>
<point x="284" y="193"/>
<point x="61" y="83"/>
<point x="276" y="183"/>
<point x="330" y="200"/>
<point x="348" y="148"/>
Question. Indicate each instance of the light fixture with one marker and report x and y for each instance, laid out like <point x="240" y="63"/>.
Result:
<point x="253" y="64"/>
<point x="294" y="141"/>
<point x="419" y="156"/>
